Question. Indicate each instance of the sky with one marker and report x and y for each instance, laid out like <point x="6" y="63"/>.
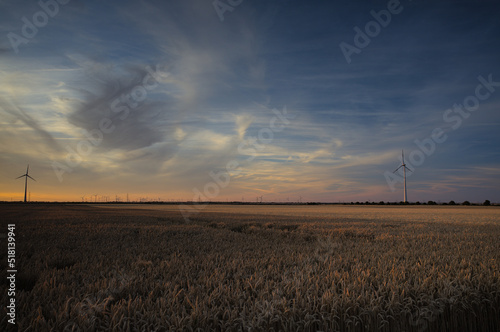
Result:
<point x="223" y="100"/>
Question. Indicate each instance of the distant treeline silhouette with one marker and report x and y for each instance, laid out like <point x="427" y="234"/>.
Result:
<point x="467" y="203"/>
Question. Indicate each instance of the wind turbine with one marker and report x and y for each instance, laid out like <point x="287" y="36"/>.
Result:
<point x="26" y="181"/>
<point x="404" y="173"/>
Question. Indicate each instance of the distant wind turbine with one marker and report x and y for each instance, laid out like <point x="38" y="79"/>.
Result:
<point x="404" y="173"/>
<point x="26" y="181"/>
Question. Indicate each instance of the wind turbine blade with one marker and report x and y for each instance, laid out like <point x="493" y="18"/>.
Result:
<point x="27" y="169"/>
<point x="408" y="169"/>
<point x="398" y="169"/>
<point x="30" y="177"/>
<point x="20" y="176"/>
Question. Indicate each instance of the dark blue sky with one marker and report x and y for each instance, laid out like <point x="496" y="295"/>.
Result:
<point x="218" y="83"/>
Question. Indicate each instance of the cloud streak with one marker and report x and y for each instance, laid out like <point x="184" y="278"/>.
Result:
<point x="85" y="72"/>
<point x="19" y="114"/>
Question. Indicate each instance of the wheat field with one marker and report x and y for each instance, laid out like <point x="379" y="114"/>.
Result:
<point x="254" y="268"/>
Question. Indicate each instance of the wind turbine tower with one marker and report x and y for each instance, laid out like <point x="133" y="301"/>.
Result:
<point x="26" y="176"/>
<point x="403" y="165"/>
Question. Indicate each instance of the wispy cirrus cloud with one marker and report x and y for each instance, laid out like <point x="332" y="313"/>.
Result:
<point x="224" y="78"/>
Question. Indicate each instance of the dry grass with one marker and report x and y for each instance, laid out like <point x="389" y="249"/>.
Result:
<point x="235" y="268"/>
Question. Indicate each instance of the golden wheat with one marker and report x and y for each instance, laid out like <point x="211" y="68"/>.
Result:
<point x="260" y="268"/>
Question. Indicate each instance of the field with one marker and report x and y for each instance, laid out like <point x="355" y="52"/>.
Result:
<point x="253" y="268"/>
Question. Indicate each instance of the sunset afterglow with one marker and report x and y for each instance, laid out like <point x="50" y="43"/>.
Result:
<point x="271" y="100"/>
